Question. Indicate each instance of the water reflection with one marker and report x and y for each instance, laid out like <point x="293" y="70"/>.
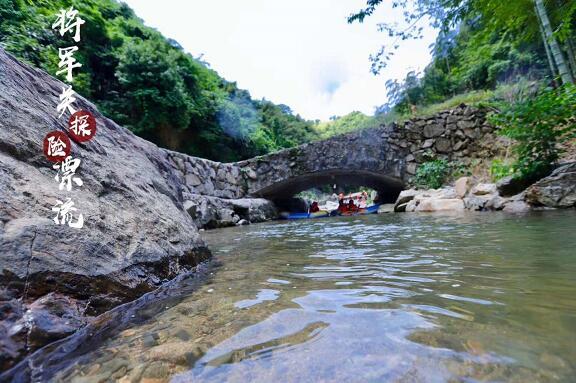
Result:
<point x="263" y="295"/>
<point x="399" y="298"/>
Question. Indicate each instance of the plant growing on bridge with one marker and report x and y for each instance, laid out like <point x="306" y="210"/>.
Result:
<point x="432" y="174"/>
<point x="539" y="125"/>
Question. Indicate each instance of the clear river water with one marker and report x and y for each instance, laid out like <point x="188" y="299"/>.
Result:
<point x="485" y="297"/>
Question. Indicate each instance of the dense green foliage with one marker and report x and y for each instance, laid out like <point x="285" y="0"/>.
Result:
<point x="475" y="61"/>
<point x="345" y="124"/>
<point x="432" y="174"/>
<point x="481" y="44"/>
<point x="436" y="172"/>
<point x="538" y="125"/>
<point x="500" y="169"/>
<point x="149" y="84"/>
<point x="501" y="52"/>
<point x="527" y="20"/>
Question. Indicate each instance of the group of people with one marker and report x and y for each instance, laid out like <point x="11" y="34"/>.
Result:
<point x="346" y="204"/>
<point x="350" y="206"/>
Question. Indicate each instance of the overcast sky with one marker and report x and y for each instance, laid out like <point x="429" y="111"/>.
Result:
<point x="301" y="53"/>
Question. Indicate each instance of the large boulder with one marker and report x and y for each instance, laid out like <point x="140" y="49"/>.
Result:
<point x="484" y="202"/>
<point x="253" y="210"/>
<point x="213" y="212"/>
<point x="516" y="206"/>
<point x="484" y="189"/>
<point x="404" y="197"/>
<point x="136" y="232"/>
<point x="429" y="200"/>
<point x="50" y="318"/>
<point x="462" y="186"/>
<point x="475" y="203"/>
<point x="432" y="205"/>
<point x="558" y="190"/>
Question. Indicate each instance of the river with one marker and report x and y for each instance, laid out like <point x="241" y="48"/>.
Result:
<point x="386" y="298"/>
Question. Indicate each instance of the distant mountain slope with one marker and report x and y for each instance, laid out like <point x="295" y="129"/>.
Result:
<point x="147" y="83"/>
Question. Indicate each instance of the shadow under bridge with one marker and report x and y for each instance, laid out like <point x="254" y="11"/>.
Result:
<point x="387" y="187"/>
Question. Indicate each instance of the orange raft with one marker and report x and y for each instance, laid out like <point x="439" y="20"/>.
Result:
<point x="361" y="211"/>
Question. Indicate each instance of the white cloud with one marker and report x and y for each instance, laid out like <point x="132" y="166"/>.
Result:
<point x="300" y="53"/>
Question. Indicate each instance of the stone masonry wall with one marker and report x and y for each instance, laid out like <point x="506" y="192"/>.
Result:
<point x="388" y="155"/>
<point x="208" y="178"/>
<point x="460" y="134"/>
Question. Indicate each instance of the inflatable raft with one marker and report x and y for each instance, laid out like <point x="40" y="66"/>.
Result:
<point x="367" y="210"/>
<point x="318" y="214"/>
<point x="325" y="213"/>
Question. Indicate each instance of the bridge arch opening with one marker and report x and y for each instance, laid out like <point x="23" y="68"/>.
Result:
<point x="386" y="187"/>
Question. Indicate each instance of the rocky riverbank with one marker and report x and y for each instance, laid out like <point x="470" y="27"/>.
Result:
<point x="558" y="190"/>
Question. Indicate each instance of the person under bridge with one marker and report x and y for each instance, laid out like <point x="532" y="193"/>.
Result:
<point x="351" y="206"/>
<point x="314" y="208"/>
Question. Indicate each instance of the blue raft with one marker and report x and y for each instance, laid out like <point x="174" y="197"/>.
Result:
<point x="318" y="214"/>
<point x="324" y="213"/>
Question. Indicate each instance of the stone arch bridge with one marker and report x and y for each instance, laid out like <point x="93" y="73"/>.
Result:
<point x="364" y="158"/>
<point x="383" y="158"/>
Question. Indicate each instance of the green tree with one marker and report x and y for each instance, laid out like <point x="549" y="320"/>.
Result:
<point x="525" y="17"/>
<point x="148" y="83"/>
<point x="159" y="104"/>
<point x="345" y="124"/>
<point x="538" y="125"/>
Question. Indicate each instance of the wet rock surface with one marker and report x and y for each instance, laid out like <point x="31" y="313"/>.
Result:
<point x="41" y="365"/>
<point x="136" y="233"/>
<point x="49" y="318"/>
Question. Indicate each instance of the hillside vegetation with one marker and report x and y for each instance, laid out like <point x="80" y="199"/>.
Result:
<point x="517" y="56"/>
<point x="482" y="46"/>
<point x="147" y="82"/>
<point x="487" y="52"/>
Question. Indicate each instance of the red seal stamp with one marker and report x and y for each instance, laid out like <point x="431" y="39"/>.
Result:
<point x="57" y="146"/>
<point x="82" y="126"/>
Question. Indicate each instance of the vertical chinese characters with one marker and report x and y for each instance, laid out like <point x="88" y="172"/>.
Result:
<point x="66" y="173"/>
<point x="57" y="145"/>
<point x="67" y="62"/>
<point x="66" y="100"/>
<point x="64" y="216"/>
<point x="66" y="21"/>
